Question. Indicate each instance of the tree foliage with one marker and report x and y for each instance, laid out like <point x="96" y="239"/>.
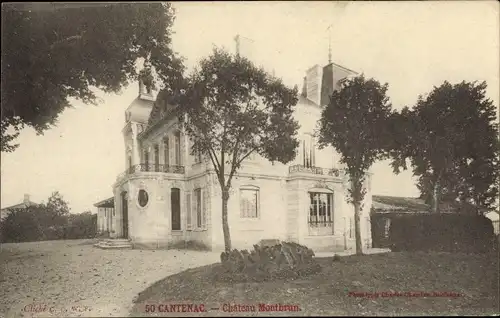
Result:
<point x="50" y="221"/>
<point x="451" y="140"/>
<point x="57" y="205"/>
<point x="355" y="124"/>
<point x="51" y="54"/>
<point x="233" y="109"/>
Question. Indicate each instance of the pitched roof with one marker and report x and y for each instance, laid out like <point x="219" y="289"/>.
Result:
<point x="389" y="204"/>
<point x="382" y="203"/>
<point x="20" y="205"/>
<point x="107" y="203"/>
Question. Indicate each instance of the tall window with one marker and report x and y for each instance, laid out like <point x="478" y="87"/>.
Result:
<point x="308" y="151"/>
<point x="178" y="148"/>
<point x="146" y="160"/>
<point x="188" y="209"/>
<point x="320" y="209"/>
<point x="198" y="202"/>
<point x="249" y="203"/>
<point x="175" y="200"/>
<point x="166" y="151"/>
<point x="197" y="157"/>
<point x="157" y="157"/>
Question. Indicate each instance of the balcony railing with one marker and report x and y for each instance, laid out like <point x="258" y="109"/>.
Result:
<point x="314" y="170"/>
<point x="157" y="168"/>
<point x="151" y="168"/>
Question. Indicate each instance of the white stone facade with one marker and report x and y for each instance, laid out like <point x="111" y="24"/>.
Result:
<point x="267" y="200"/>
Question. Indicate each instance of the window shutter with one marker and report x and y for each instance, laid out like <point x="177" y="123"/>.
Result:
<point x="194" y="208"/>
<point x="203" y="210"/>
<point x="188" y="211"/>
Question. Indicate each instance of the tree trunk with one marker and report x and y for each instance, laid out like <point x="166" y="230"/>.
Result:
<point x="225" y="224"/>
<point x="435" y="196"/>
<point x="357" y="227"/>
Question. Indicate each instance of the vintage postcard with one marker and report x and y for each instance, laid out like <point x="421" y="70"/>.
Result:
<point x="250" y="159"/>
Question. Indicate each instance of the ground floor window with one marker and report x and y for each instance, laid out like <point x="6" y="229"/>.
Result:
<point x="320" y="209"/>
<point x="175" y="204"/>
<point x="249" y="203"/>
<point x="320" y="213"/>
<point x="198" y="207"/>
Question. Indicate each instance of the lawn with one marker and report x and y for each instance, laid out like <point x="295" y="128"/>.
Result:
<point x="381" y="284"/>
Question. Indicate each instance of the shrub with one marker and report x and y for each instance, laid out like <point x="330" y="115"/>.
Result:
<point x="281" y="261"/>
<point x="442" y="232"/>
<point x="38" y="223"/>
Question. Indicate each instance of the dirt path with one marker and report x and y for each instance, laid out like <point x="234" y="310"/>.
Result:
<point x="73" y="278"/>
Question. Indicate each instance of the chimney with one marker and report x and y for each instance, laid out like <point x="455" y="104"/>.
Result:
<point x="26" y="199"/>
<point x="313" y="83"/>
<point x="331" y="78"/>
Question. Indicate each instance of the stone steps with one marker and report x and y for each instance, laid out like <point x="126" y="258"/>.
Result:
<point x="117" y="244"/>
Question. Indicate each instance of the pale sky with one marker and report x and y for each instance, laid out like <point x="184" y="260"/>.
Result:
<point x="410" y="45"/>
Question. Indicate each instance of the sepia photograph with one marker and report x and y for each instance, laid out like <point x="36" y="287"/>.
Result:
<point x="250" y="158"/>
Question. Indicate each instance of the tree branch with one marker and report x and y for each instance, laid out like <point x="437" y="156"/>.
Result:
<point x="245" y="156"/>
<point x="215" y="161"/>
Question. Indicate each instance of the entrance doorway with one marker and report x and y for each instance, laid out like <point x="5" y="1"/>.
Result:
<point x="124" y="215"/>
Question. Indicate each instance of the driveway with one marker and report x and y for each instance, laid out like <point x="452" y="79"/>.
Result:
<point x="73" y="278"/>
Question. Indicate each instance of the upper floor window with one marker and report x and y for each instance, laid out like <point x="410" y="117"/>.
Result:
<point x="146" y="160"/>
<point x="157" y="157"/>
<point x="177" y="145"/>
<point x="252" y="156"/>
<point x="308" y="151"/>
<point x="249" y="202"/>
<point x="197" y="157"/>
<point x="166" y="151"/>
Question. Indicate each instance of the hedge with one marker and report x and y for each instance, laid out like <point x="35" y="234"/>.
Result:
<point x="442" y="232"/>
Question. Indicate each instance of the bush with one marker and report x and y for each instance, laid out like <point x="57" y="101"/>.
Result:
<point x="442" y="232"/>
<point x="281" y="261"/>
<point x="81" y="226"/>
<point x="38" y="223"/>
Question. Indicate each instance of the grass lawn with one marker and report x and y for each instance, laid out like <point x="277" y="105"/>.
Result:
<point x="346" y="287"/>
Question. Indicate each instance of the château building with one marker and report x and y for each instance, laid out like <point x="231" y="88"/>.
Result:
<point x="168" y="196"/>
